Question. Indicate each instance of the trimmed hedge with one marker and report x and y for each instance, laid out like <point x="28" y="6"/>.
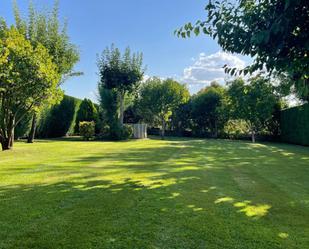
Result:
<point x="59" y="120"/>
<point x="295" y="125"/>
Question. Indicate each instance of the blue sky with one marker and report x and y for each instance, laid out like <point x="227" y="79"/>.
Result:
<point x="146" y="26"/>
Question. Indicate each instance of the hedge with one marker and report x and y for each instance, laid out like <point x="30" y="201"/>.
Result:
<point x="295" y="125"/>
<point x="59" y="120"/>
<point x="23" y="128"/>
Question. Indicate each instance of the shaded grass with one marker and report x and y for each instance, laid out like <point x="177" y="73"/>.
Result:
<point x="177" y="193"/>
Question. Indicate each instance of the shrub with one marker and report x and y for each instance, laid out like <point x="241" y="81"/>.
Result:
<point x="234" y="129"/>
<point x="127" y="132"/>
<point x="120" y="133"/>
<point x="116" y="133"/>
<point x="86" y="129"/>
<point x="86" y="112"/>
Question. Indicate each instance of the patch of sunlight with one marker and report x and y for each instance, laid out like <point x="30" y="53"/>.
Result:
<point x="64" y="190"/>
<point x="197" y="209"/>
<point x="185" y="168"/>
<point x="283" y="235"/>
<point x="244" y="163"/>
<point x="194" y="208"/>
<point x="241" y="204"/>
<point x="287" y="154"/>
<point x="250" y="210"/>
<point x="224" y="199"/>
<point x="255" y="145"/>
<point x="80" y="186"/>
<point x="137" y="189"/>
<point x="163" y="209"/>
<point x="207" y="190"/>
<point x="116" y="189"/>
<point x="152" y="184"/>
<point x="149" y="180"/>
<point x="175" y="194"/>
<point x="97" y="186"/>
<point x="255" y="210"/>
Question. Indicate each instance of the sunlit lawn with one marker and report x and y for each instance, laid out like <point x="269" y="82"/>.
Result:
<point x="177" y="193"/>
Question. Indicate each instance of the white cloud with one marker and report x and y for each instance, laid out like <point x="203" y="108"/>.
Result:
<point x="208" y="68"/>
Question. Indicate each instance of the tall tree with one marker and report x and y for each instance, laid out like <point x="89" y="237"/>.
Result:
<point x="158" y="99"/>
<point x="209" y="110"/>
<point x="181" y="119"/>
<point x="28" y="78"/>
<point x="46" y="29"/>
<point x="109" y="106"/>
<point x="275" y="33"/>
<point x="121" y="74"/>
<point x="254" y="102"/>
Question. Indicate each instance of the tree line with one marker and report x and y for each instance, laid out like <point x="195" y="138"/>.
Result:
<point x="241" y="107"/>
<point x="37" y="56"/>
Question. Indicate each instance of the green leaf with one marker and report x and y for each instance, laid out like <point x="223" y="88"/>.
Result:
<point x="197" y="31"/>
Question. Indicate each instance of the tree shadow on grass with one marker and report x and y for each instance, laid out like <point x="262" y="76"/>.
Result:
<point x="184" y="194"/>
<point x="102" y="214"/>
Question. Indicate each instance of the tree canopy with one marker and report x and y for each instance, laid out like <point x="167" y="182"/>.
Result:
<point x="208" y="110"/>
<point x="254" y="102"/>
<point x="275" y="33"/>
<point x="158" y="99"/>
<point x="28" y="77"/>
<point x="120" y="73"/>
<point x="46" y="29"/>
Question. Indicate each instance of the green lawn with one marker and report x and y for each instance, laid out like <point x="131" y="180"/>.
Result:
<point x="177" y="193"/>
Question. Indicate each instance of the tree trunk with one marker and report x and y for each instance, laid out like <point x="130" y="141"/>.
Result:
<point x="5" y="143"/>
<point x="7" y="140"/>
<point x="216" y="130"/>
<point x="12" y="138"/>
<point x="33" y="129"/>
<point x="253" y="136"/>
<point x="163" y="129"/>
<point x="121" y="113"/>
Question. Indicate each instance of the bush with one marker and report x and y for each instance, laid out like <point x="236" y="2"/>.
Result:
<point x="127" y="132"/>
<point x="121" y="133"/>
<point x="237" y="128"/>
<point x="86" y="112"/>
<point x="87" y="129"/>
<point x="116" y="133"/>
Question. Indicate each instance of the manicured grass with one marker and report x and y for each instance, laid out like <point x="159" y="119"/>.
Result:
<point x="177" y="193"/>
